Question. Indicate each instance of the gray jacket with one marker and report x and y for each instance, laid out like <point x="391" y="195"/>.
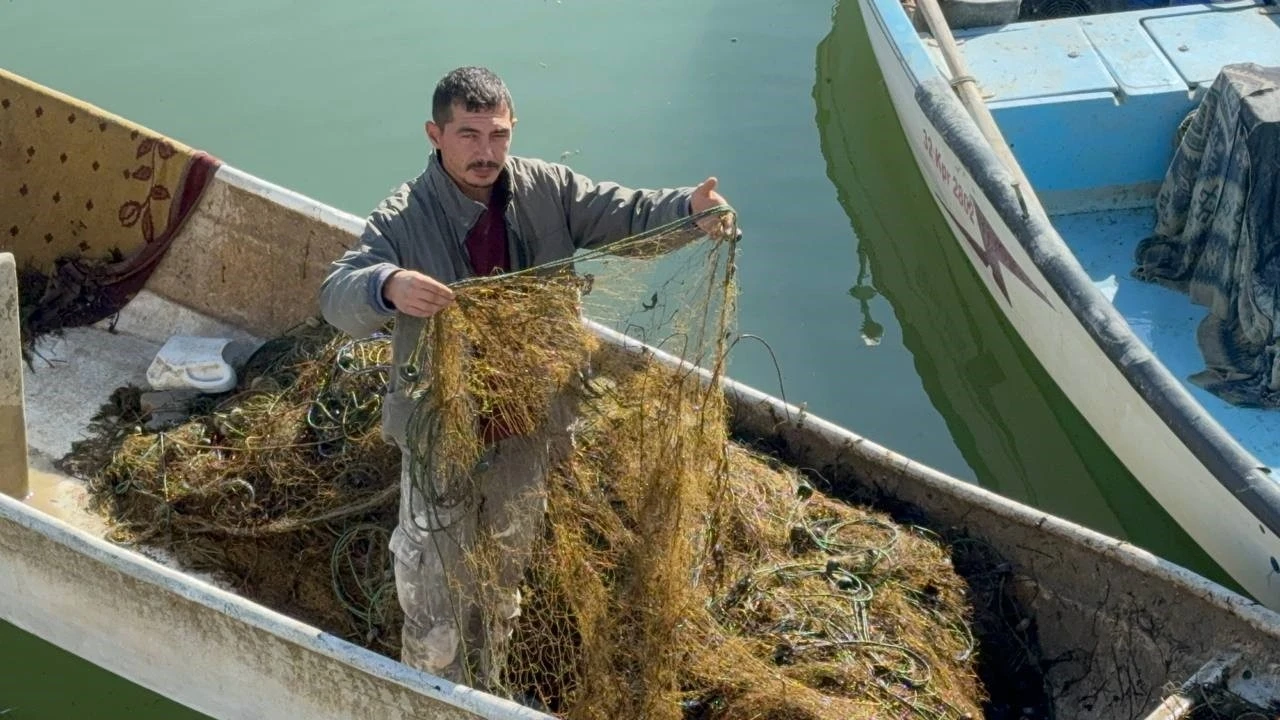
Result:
<point x="551" y="213"/>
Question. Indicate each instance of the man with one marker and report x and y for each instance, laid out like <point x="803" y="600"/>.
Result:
<point x="475" y="210"/>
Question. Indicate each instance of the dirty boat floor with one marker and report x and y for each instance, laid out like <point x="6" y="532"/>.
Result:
<point x="75" y="371"/>
<point x="1104" y="242"/>
<point x="73" y="374"/>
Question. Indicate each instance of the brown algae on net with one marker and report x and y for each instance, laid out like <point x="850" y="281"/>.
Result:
<point x="283" y="489"/>
<point x="680" y="575"/>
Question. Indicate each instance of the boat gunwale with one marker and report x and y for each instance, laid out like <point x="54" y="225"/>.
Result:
<point x="257" y="616"/>
<point x="1226" y="459"/>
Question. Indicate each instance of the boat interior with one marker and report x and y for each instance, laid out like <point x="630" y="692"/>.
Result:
<point x="1091" y="96"/>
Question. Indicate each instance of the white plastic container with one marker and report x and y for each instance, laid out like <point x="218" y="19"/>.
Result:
<point x="194" y="363"/>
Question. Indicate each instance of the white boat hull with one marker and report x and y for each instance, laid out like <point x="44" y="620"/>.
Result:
<point x="1145" y="442"/>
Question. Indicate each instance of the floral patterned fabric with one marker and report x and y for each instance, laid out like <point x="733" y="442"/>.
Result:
<point x="79" y="182"/>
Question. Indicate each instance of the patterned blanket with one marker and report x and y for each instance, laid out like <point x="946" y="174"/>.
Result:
<point x="1217" y="235"/>
<point x="87" y="197"/>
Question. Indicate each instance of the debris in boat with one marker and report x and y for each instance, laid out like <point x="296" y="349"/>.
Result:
<point x="166" y="408"/>
<point x="72" y="295"/>
<point x="1226" y="686"/>
<point x="681" y="574"/>
<point x="196" y="363"/>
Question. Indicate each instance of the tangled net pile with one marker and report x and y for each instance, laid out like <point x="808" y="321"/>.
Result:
<point x="680" y="575"/>
<point x="283" y="489"/>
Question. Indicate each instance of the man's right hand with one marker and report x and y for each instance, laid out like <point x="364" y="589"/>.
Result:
<point x="413" y="293"/>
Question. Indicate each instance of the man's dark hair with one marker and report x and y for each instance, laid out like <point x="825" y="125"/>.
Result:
<point x="476" y="88"/>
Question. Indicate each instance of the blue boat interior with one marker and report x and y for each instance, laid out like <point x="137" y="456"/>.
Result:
<point x="1164" y="319"/>
<point x="1090" y="103"/>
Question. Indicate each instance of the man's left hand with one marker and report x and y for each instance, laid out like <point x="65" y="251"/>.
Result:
<point x="705" y="197"/>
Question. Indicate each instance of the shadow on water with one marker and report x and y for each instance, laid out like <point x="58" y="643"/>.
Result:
<point x="1010" y="421"/>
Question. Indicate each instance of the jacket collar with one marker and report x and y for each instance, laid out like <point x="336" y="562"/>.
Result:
<point x="462" y="212"/>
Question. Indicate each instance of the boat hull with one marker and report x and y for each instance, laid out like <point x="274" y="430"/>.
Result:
<point x="201" y="646"/>
<point x="1208" y="484"/>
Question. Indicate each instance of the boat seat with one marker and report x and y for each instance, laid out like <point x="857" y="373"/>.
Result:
<point x="1025" y="61"/>
<point x="1091" y="103"/>
<point x="1199" y="45"/>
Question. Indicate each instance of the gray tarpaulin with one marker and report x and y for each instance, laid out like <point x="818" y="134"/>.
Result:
<point x="1217" y="234"/>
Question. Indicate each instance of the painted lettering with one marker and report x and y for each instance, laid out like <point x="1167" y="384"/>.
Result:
<point x="950" y="178"/>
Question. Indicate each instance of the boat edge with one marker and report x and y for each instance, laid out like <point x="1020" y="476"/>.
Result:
<point x="255" y="615"/>
<point x="1224" y="458"/>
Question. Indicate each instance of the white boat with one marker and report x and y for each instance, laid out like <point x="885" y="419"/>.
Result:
<point x="1048" y="176"/>
<point x="1110" y="631"/>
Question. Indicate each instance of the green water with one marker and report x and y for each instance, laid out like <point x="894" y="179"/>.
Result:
<point x="780" y="100"/>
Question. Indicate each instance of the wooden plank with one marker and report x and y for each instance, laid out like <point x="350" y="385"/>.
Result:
<point x="13" y="426"/>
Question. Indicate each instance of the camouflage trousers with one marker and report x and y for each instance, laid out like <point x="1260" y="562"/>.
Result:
<point x="459" y="616"/>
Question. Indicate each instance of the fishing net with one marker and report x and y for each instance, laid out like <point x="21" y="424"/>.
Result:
<point x="677" y="574"/>
<point x="283" y="489"/>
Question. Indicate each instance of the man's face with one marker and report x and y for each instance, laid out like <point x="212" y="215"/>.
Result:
<point x="473" y="145"/>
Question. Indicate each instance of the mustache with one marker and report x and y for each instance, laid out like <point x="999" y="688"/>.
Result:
<point x="479" y="164"/>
